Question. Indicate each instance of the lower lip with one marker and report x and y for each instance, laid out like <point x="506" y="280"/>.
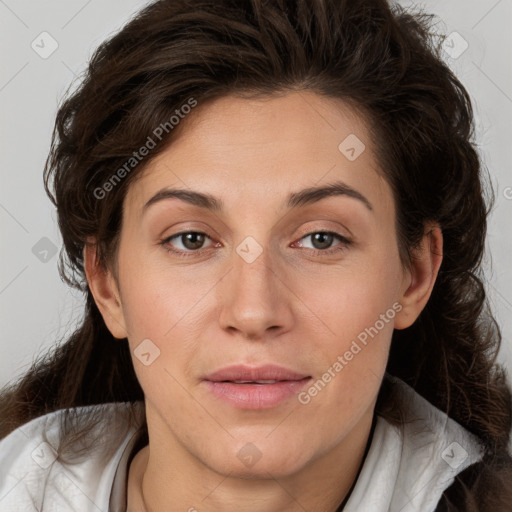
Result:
<point x="256" y="396"/>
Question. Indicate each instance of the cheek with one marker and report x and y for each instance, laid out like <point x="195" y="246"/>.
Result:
<point x="161" y="342"/>
<point x="354" y="299"/>
<point x="157" y="300"/>
<point x="359" y="312"/>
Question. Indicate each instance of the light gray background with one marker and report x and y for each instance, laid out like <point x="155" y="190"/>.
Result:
<point x="36" y="308"/>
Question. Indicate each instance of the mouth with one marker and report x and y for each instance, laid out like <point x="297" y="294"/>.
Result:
<point x="268" y="381"/>
<point x="260" y="387"/>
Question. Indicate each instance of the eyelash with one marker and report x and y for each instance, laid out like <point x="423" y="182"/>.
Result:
<point x="343" y="246"/>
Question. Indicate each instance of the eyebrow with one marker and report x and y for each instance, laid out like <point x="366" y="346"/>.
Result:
<point x="295" y="199"/>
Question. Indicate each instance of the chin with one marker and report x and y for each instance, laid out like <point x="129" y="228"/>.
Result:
<point x="263" y="461"/>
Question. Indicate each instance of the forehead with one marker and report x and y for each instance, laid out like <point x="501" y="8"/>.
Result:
<point x="315" y="123"/>
<point x="253" y="147"/>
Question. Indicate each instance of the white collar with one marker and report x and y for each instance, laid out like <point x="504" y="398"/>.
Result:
<point x="407" y="468"/>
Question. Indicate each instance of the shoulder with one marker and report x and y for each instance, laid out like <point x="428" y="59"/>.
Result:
<point x="65" y="460"/>
<point x="410" y="465"/>
<point x="435" y="449"/>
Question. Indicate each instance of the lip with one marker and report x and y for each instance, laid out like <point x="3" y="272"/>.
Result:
<point x="254" y="395"/>
<point x="246" y="372"/>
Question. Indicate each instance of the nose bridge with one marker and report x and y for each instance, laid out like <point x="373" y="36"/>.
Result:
<point x="252" y="272"/>
<point x="252" y="301"/>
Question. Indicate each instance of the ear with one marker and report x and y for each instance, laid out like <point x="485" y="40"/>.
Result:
<point x="105" y="291"/>
<point x="419" y="280"/>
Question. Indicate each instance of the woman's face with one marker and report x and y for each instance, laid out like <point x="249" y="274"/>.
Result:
<point x="255" y="284"/>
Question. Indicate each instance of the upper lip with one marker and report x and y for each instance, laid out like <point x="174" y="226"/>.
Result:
<point x="254" y="373"/>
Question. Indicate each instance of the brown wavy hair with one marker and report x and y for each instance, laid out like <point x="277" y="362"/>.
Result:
<point x="384" y="61"/>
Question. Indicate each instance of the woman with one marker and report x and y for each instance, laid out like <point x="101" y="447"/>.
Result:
<point x="276" y="212"/>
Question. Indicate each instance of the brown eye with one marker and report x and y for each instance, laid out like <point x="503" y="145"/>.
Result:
<point x="192" y="240"/>
<point x="322" y="241"/>
<point x="185" y="242"/>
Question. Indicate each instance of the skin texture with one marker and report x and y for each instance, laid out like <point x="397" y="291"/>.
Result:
<point x="290" y="306"/>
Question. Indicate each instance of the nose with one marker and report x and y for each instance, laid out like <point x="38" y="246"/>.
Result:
<point x="255" y="302"/>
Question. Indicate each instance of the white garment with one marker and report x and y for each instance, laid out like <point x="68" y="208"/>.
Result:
<point x="406" y="469"/>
